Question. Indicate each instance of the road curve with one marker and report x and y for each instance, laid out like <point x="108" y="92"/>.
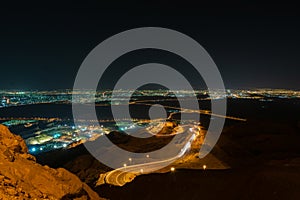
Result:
<point x="123" y="175"/>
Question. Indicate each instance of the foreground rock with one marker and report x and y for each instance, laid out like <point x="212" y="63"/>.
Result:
<point x="87" y="168"/>
<point x="22" y="178"/>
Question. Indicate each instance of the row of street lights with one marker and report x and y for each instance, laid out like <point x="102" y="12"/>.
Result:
<point x="130" y="161"/>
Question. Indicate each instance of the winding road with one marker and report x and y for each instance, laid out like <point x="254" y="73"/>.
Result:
<point x="123" y="175"/>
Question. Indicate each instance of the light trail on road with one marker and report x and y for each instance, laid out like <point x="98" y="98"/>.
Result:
<point x="118" y="176"/>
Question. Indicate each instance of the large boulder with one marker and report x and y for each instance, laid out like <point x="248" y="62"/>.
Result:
<point x="22" y="178"/>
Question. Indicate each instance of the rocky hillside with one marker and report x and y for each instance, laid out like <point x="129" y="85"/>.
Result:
<point x="22" y="178"/>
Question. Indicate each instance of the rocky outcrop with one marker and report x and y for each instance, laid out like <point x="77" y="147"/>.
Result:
<point x="22" y="178"/>
<point x="87" y="168"/>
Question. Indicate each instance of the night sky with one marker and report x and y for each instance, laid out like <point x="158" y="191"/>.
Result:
<point x="254" y="45"/>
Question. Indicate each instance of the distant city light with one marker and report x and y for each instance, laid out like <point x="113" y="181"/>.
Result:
<point x="57" y="135"/>
<point x="204" y="167"/>
<point x="7" y="98"/>
<point x="172" y="169"/>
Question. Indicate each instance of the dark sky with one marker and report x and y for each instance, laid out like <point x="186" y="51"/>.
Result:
<point x="254" y="44"/>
